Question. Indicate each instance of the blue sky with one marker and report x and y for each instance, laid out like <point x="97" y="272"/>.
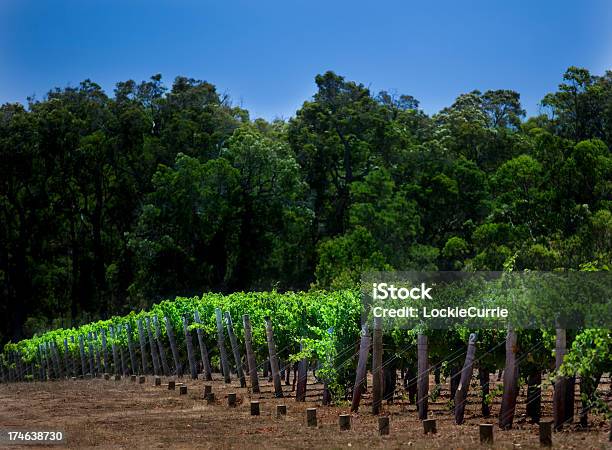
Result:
<point x="265" y="54"/>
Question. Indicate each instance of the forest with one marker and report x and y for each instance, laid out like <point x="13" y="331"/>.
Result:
<point x="109" y="204"/>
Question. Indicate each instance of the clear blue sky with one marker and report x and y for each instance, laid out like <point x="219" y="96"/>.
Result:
<point x="265" y="54"/>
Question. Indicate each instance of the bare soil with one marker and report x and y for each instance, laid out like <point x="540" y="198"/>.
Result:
<point x="124" y="414"/>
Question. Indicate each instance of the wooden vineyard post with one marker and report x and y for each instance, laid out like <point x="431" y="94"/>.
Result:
<point x="422" y="376"/>
<point x="486" y="433"/>
<point x="189" y="345"/>
<point x="153" y="347"/>
<point x="73" y="364"/>
<point x="235" y="348"/>
<point x="82" y="351"/>
<point x="511" y="371"/>
<point x="91" y="355"/>
<point x="534" y="395"/>
<point x="221" y="345"/>
<point x="254" y="408"/>
<point x="560" y="386"/>
<point x="67" y="365"/>
<point x="383" y="425"/>
<point x="104" y="352"/>
<point x="160" y="345"/>
<point x="97" y="352"/>
<point x="114" y="347"/>
<point x="43" y="368"/>
<point x="311" y="417"/>
<point x="206" y="367"/>
<point x="175" y="355"/>
<point x="278" y="389"/>
<point x="360" y="376"/>
<point x="124" y="365"/>
<point x="546" y="433"/>
<point x="133" y="363"/>
<point x="483" y="377"/>
<point x="248" y="342"/>
<point x="377" y="375"/>
<point x="302" y="378"/>
<point x="231" y="399"/>
<point x="429" y="426"/>
<point x="344" y="422"/>
<point x="464" y="384"/>
<point x="281" y="410"/>
<point x="143" y="347"/>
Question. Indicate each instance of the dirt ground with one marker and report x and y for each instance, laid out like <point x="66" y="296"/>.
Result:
<point x="123" y="414"/>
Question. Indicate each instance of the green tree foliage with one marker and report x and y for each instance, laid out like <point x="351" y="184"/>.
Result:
<point x="110" y="203"/>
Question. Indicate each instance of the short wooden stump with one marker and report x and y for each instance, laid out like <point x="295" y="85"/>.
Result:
<point x="183" y="390"/>
<point x="281" y="410"/>
<point x="429" y="426"/>
<point x="231" y="399"/>
<point x="344" y="422"/>
<point x="486" y="433"/>
<point x="254" y="408"/>
<point x="383" y="425"/>
<point x="311" y="417"/>
<point x="171" y="385"/>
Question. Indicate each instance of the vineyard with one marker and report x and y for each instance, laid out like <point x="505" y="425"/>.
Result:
<point x="247" y="349"/>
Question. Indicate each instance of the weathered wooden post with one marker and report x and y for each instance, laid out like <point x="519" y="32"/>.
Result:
<point x="157" y="381"/>
<point x="91" y="355"/>
<point x="82" y="351"/>
<point x="311" y="417"/>
<point x="483" y="378"/>
<point x="511" y="371"/>
<point x="377" y="375"/>
<point x="248" y="342"/>
<point x="142" y="379"/>
<point x="486" y="433"/>
<point x="281" y="410"/>
<point x="546" y="433"/>
<point x="104" y="352"/>
<point x="464" y="384"/>
<point x="210" y="398"/>
<point x="206" y="367"/>
<point x="189" y="345"/>
<point x="559" y="394"/>
<point x="278" y="389"/>
<point x="231" y="399"/>
<point x="97" y="352"/>
<point x="133" y="363"/>
<point x="429" y="426"/>
<point x="143" y="347"/>
<point x="124" y="364"/>
<point x="360" y="376"/>
<point x="171" y="385"/>
<point x="175" y="354"/>
<point x="221" y="344"/>
<point x="69" y="369"/>
<point x="207" y="389"/>
<point x="153" y="347"/>
<point x="114" y="347"/>
<point x="235" y="348"/>
<point x="344" y="422"/>
<point x="182" y="389"/>
<point x="254" y="408"/>
<point x="383" y="425"/>
<point x="160" y="344"/>
<point x="74" y="363"/>
<point x="534" y="395"/>
<point x="302" y="378"/>
<point x="422" y="376"/>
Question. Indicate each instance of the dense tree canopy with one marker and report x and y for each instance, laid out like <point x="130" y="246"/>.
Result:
<point x="112" y="203"/>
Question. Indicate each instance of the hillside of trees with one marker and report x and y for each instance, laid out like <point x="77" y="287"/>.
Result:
<point x="111" y="203"/>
